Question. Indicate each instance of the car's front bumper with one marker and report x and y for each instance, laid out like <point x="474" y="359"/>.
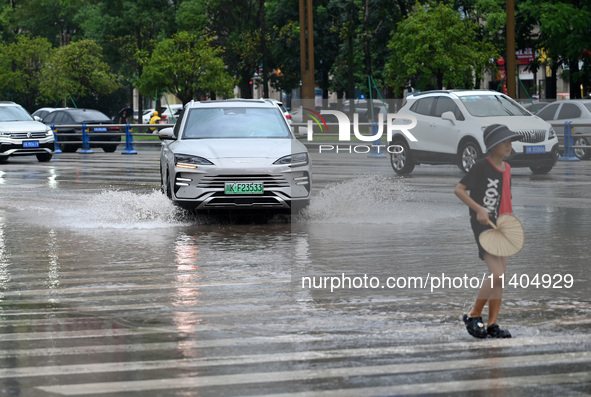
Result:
<point x="14" y="147"/>
<point x="284" y="188"/>
<point x="547" y="159"/>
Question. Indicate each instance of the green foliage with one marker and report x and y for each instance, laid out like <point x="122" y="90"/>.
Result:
<point x="426" y="44"/>
<point x="285" y="43"/>
<point x="192" y="16"/>
<point x="21" y="63"/>
<point x="77" y="69"/>
<point x="436" y="47"/>
<point x="188" y="66"/>
<point x="565" y="29"/>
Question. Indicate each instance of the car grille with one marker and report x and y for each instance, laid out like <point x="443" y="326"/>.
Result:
<point x="532" y="136"/>
<point x="218" y="181"/>
<point x="27" y="135"/>
<point x="260" y="201"/>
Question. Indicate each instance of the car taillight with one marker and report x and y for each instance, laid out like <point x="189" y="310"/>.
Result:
<point x="288" y="116"/>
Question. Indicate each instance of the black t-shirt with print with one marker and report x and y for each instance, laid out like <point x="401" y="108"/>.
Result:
<point x="485" y="183"/>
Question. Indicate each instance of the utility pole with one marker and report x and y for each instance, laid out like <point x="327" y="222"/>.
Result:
<point x="510" y="64"/>
<point x="307" y="52"/>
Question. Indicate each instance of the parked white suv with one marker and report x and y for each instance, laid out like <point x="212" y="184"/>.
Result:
<point x="21" y="135"/>
<point x="450" y="126"/>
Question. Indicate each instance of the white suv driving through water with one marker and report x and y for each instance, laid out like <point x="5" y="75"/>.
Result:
<point x="450" y="125"/>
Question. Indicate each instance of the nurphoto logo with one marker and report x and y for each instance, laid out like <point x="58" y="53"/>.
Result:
<point x="344" y="131"/>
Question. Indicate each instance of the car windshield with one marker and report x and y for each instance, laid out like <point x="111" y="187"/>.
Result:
<point x="81" y="116"/>
<point x="492" y="105"/>
<point x="235" y="122"/>
<point x="14" y="113"/>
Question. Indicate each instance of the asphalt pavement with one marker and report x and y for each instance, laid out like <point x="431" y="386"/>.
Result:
<point x="106" y="289"/>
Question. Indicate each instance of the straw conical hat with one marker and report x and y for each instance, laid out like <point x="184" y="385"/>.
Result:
<point x="506" y="238"/>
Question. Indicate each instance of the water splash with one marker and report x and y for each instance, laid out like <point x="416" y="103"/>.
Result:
<point x="118" y="210"/>
<point x="371" y="199"/>
<point x="129" y="209"/>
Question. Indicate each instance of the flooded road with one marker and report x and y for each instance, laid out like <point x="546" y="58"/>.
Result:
<point x="108" y="289"/>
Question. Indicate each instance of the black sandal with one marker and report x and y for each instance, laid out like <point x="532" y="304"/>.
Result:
<point x="475" y="326"/>
<point x="494" y="331"/>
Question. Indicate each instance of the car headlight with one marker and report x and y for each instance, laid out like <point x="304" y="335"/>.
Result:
<point x="48" y="132"/>
<point x="297" y="159"/>
<point x="551" y="133"/>
<point x="188" y="161"/>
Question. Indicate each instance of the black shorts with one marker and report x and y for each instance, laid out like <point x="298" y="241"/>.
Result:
<point x="478" y="228"/>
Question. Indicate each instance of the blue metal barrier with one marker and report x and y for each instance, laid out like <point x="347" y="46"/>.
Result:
<point x="128" y="141"/>
<point x="569" y="153"/>
<point x="85" y="141"/>
<point x="56" y="148"/>
<point x="376" y="152"/>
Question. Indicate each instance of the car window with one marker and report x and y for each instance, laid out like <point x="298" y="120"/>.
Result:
<point x="59" y="118"/>
<point x="445" y="104"/>
<point x="49" y="118"/>
<point x="235" y="122"/>
<point x="80" y="116"/>
<point x="548" y="112"/>
<point x="588" y="106"/>
<point x="492" y="106"/>
<point x="14" y="113"/>
<point x="423" y="106"/>
<point x="569" y="111"/>
<point x="67" y="119"/>
<point x="177" y="125"/>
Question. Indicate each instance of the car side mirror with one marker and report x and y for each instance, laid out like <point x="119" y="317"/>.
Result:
<point x="165" y="133"/>
<point x="37" y="118"/>
<point x="449" y="116"/>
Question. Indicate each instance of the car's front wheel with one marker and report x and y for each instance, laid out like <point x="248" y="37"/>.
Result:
<point x="583" y="154"/>
<point x="110" y="148"/>
<point x="468" y="154"/>
<point x="44" y="157"/>
<point x="400" y="159"/>
<point x="167" y="188"/>
<point x="67" y="148"/>
<point x="541" y="170"/>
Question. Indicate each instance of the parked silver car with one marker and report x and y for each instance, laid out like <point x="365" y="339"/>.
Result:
<point x="21" y="135"/>
<point x="575" y="111"/>
<point x="234" y="154"/>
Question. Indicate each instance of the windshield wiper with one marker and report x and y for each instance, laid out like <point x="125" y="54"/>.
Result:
<point x="503" y="107"/>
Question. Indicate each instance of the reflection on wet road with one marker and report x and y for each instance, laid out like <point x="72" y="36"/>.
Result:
<point x="107" y="289"/>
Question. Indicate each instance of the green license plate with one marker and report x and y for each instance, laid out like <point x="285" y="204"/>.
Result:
<point x="243" y="188"/>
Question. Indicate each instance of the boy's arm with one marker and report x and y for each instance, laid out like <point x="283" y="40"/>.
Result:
<point x="481" y="213"/>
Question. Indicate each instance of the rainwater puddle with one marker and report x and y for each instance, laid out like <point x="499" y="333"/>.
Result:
<point x="371" y="199"/>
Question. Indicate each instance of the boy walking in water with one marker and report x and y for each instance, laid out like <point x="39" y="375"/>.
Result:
<point x="489" y="184"/>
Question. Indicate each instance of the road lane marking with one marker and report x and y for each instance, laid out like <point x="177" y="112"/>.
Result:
<point x="311" y="374"/>
<point x="462" y="386"/>
<point x="250" y="359"/>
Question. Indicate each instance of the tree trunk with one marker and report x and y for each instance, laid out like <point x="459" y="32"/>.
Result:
<point x="575" y="80"/>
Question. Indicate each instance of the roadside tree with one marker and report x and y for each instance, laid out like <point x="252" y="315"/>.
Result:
<point x="188" y="66"/>
<point x="77" y="69"/>
<point x="434" y="47"/>
<point x="564" y="39"/>
<point x="21" y="64"/>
